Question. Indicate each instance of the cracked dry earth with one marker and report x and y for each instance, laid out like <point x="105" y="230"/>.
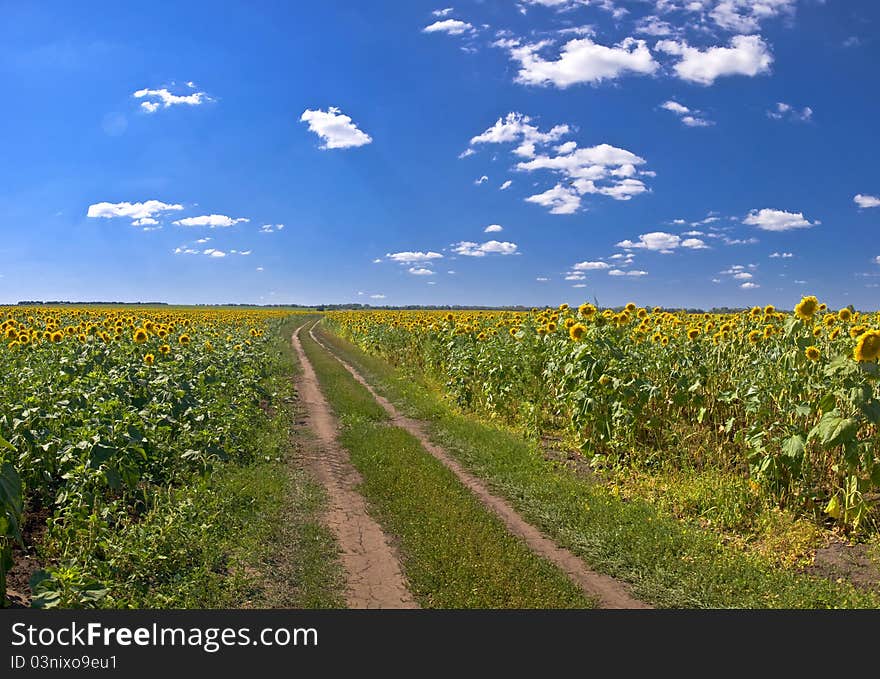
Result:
<point x="608" y="592"/>
<point x="373" y="573"/>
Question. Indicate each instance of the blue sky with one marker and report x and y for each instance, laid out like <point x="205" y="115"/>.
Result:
<point x="671" y="152"/>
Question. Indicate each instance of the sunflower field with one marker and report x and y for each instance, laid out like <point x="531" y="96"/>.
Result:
<point x="100" y="407"/>
<point x="788" y="400"/>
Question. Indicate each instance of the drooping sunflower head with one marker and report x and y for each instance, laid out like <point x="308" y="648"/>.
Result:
<point x="867" y="347"/>
<point x="812" y="353"/>
<point x="769" y="309"/>
<point x="807" y="307"/>
<point x="755" y="336"/>
<point x="834" y="334"/>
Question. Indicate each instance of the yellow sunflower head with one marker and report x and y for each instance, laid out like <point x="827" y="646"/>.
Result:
<point x="812" y="353"/>
<point x="806" y="308"/>
<point x="140" y="335"/>
<point x="149" y="359"/>
<point x="867" y="347"/>
<point x="577" y="331"/>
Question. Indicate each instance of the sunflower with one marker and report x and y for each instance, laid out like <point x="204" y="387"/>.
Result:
<point x="604" y="380"/>
<point x="755" y="336"/>
<point x="844" y="314"/>
<point x="807" y="307"/>
<point x="184" y="339"/>
<point x="630" y="307"/>
<point x="693" y="333"/>
<point x="149" y="359"/>
<point x="769" y="309"/>
<point x="551" y="327"/>
<point x="867" y="346"/>
<point x="576" y="332"/>
<point x="140" y="335"/>
<point x="812" y="353"/>
<point x="164" y="349"/>
<point x="56" y="336"/>
<point x="834" y="334"/>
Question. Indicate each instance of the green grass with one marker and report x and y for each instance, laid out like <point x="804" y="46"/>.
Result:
<point x="244" y="536"/>
<point x="454" y="552"/>
<point x="669" y="562"/>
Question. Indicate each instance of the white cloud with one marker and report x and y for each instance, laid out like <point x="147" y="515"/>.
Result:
<point x="542" y="279"/>
<point x="505" y="185"/>
<point x="493" y="228"/>
<point x="211" y="252"/>
<point x="575" y="277"/>
<point x="745" y="16"/>
<point x="618" y="272"/>
<point x="166" y="99"/>
<point x="655" y="26"/>
<point x="481" y="180"/>
<point x="751" y="286"/>
<point x="442" y="12"/>
<point x="420" y="271"/>
<point x="591" y="266"/>
<point x="213" y="221"/>
<point x="742" y="275"/>
<point x="413" y="257"/>
<point x="747" y="55"/>
<point x="781" y="255"/>
<point x="141" y="214"/>
<point x="271" y="228"/>
<point x="449" y="26"/>
<point x="581" y="61"/>
<point x="560" y="199"/>
<point x="470" y="249"/>
<point x="601" y="169"/>
<point x="865" y="201"/>
<point x="259" y="268"/>
<point x="579" y="285"/>
<point x="675" y="107"/>
<point x="778" y="220"/>
<point x="516" y="127"/>
<point x="377" y="296"/>
<point x="336" y="129"/>
<point x="784" y="110"/>
<point x="662" y="242"/>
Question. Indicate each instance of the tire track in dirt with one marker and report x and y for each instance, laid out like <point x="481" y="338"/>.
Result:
<point x="608" y="592"/>
<point x="375" y="578"/>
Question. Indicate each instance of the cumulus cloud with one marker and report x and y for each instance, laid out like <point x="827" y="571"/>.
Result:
<point x="420" y="271"/>
<point x="778" y="220"/>
<point x="788" y="112"/>
<point x="142" y="214"/>
<point x="212" y="221"/>
<point x="580" y="61"/>
<point x="745" y="16"/>
<point x="271" y="228"/>
<point x="619" y="272"/>
<point x="518" y="128"/>
<point x="662" y="242"/>
<point x="470" y="249"/>
<point x="413" y="257"/>
<point x="449" y="26"/>
<point x="746" y="55"/>
<point x="751" y="286"/>
<point x="560" y="199"/>
<point x="591" y="266"/>
<point x="865" y="201"/>
<point x="163" y="98"/>
<point x="493" y="228"/>
<point x="688" y="117"/>
<point x="336" y="129"/>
